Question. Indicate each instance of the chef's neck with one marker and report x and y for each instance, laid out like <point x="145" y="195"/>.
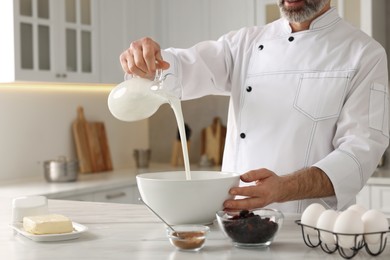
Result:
<point x="297" y="27"/>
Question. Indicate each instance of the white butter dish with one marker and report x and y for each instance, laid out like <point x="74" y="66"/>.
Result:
<point x="78" y="229"/>
<point x="28" y="206"/>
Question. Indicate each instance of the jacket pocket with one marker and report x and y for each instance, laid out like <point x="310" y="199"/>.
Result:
<point x="379" y="106"/>
<point x="320" y="95"/>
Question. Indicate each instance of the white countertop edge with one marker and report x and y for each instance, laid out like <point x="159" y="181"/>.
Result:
<point x="86" y="182"/>
<point x="118" y="178"/>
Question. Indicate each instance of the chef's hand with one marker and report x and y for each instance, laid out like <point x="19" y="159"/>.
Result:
<point x="263" y="192"/>
<point x="142" y="58"/>
<point x="269" y="188"/>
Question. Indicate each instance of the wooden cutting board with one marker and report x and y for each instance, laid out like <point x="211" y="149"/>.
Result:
<point x="213" y="141"/>
<point x="91" y="144"/>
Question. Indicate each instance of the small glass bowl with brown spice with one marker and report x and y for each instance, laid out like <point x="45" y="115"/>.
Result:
<point x="188" y="237"/>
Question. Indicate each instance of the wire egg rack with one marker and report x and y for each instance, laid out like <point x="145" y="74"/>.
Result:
<point x="357" y="240"/>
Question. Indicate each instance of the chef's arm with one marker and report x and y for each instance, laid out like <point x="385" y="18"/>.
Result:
<point x="306" y="183"/>
<point x="269" y="188"/>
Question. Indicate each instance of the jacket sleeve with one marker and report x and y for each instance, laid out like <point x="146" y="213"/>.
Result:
<point x="198" y="71"/>
<point x="362" y="131"/>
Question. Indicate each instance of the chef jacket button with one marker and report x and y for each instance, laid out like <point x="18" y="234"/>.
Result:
<point x="242" y="135"/>
<point x="249" y="89"/>
<point x="261" y="47"/>
<point x="290" y="39"/>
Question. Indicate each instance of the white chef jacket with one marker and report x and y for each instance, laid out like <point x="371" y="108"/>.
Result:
<point x="312" y="98"/>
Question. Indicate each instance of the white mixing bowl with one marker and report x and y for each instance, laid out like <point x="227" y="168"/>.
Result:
<point x="181" y="201"/>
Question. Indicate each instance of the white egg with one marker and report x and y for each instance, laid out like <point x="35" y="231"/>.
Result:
<point x="349" y="222"/>
<point x="326" y="222"/>
<point x="358" y="208"/>
<point x="374" y="221"/>
<point x="310" y="216"/>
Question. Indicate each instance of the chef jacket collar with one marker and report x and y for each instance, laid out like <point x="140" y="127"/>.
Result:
<point x="329" y="17"/>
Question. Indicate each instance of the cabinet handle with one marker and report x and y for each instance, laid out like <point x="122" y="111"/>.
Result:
<point x="115" y="195"/>
<point x="59" y="75"/>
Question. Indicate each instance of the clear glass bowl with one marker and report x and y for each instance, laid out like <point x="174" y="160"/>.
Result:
<point x="255" y="228"/>
<point x="188" y="237"/>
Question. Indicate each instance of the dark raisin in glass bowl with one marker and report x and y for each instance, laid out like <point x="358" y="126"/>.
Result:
<point x="254" y="228"/>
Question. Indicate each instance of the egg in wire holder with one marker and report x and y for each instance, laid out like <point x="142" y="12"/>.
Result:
<point x="347" y="253"/>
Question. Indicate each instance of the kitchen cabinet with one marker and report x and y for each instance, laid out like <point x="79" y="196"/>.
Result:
<point x="234" y="15"/>
<point x="49" y="40"/>
<point x="121" y="22"/>
<point x="112" y="17"/>
<point x="185" y="23"/>
<point x="80" y="40"/>
<point x="120" y="195"/>
<point x="79" y="197"/>
<point x="128" y="194"/>
<point x="174" y="23"/>
<point x="380" y="198"/>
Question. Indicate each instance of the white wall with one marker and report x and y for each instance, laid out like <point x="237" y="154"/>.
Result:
<point x="35" y="125"/>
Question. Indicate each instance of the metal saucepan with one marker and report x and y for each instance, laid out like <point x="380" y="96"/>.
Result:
<point x="61" y="170"/>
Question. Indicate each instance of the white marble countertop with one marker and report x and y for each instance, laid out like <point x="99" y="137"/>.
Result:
<point x="95" y="182"/>
<point x="126" y="231"/>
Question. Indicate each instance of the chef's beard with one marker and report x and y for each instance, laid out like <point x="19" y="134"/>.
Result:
<point x="302" y="14"/>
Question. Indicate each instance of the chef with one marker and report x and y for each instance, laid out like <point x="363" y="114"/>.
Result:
<point x="308" y="114"/>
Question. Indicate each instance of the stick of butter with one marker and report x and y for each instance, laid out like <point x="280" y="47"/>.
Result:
<point x="47" y="224"/>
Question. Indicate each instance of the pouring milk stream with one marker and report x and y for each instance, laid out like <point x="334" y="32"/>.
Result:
<point x="139" y="98"/>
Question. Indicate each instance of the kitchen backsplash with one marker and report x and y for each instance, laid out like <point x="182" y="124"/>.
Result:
<point x="36" y="125"/>
<point x="197" y="113"/>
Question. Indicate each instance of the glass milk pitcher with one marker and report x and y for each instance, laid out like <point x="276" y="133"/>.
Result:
<point x="138" y="98"/>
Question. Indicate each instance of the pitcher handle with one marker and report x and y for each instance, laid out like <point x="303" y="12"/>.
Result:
<point x="159" y="76"/>
<point x="127" y="76"/>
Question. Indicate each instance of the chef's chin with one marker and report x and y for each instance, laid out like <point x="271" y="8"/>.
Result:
<point x="306" y="12"/>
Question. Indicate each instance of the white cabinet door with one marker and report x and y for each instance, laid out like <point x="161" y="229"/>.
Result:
<point x="49" y="40"/>
<point x="380" y="198"/>
<point x="28" y="35"/>
<point x="178" y="23"/>
<point x="184" y="23"/>
<point x="113" y="38"/>
<point x="77" y="48"/>
<point x="229" y="15"/>
<point x="122" y="22"/>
